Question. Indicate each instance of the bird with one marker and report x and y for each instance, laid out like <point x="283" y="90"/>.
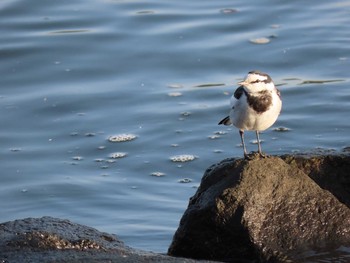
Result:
<point x="255" y="106"/>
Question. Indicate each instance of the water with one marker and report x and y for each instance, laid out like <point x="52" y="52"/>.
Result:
<point x="74" y="73"/>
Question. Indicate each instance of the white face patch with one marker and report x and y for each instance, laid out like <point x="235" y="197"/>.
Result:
<point x="254" y="77"/>
<point x="257" y="81"/>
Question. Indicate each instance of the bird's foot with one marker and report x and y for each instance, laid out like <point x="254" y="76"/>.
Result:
<point x="247" y="156"/>
<point x="263" y="155"/>
<point x="254" y="155"/>
<point x="250" y="156"/>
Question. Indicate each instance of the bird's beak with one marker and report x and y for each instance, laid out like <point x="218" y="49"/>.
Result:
<point x="242" y="83"/>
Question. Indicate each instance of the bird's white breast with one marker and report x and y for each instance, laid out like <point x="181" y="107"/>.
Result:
<point x="246" y="118"/>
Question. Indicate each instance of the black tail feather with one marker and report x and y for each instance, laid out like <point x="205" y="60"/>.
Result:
<point x="225" y="121"/>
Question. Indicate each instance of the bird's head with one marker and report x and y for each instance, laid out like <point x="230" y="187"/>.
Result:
<point x="257" y="81"/>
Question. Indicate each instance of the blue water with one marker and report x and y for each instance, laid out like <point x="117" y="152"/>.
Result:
<point x="73" y="73"/>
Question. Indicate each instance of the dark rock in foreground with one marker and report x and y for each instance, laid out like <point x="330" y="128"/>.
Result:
<point x="267" y="210"/>
<point x="50" y="239"/>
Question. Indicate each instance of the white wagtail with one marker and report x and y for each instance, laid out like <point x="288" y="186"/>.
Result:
<point x="255" y="106"/>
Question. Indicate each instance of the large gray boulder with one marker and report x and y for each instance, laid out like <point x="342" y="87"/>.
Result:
<point x="267" y="210"/>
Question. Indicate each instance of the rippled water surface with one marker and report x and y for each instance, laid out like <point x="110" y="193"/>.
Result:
<point x="74" y="73"/>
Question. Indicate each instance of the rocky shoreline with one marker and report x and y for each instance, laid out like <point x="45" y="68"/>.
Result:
<point x="49" y="239"/>
<point x="274" y="209"/>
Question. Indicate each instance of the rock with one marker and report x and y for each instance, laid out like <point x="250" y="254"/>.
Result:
<point x="50" y="239"/>
<point x="331" y="172"/>
<point x="266" y="210"/>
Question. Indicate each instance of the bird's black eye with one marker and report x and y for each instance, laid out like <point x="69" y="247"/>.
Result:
<point x="255" y="81"/>
<point x="266" y="81"/>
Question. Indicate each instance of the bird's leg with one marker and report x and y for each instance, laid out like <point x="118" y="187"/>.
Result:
<point x="241" y="133"/>
<point x="259" y="146"/>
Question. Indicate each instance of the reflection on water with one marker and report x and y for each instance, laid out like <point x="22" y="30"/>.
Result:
<point x="76" y="31"/>
<point x="340" y="255"/>
<point x="109" y="110"/>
